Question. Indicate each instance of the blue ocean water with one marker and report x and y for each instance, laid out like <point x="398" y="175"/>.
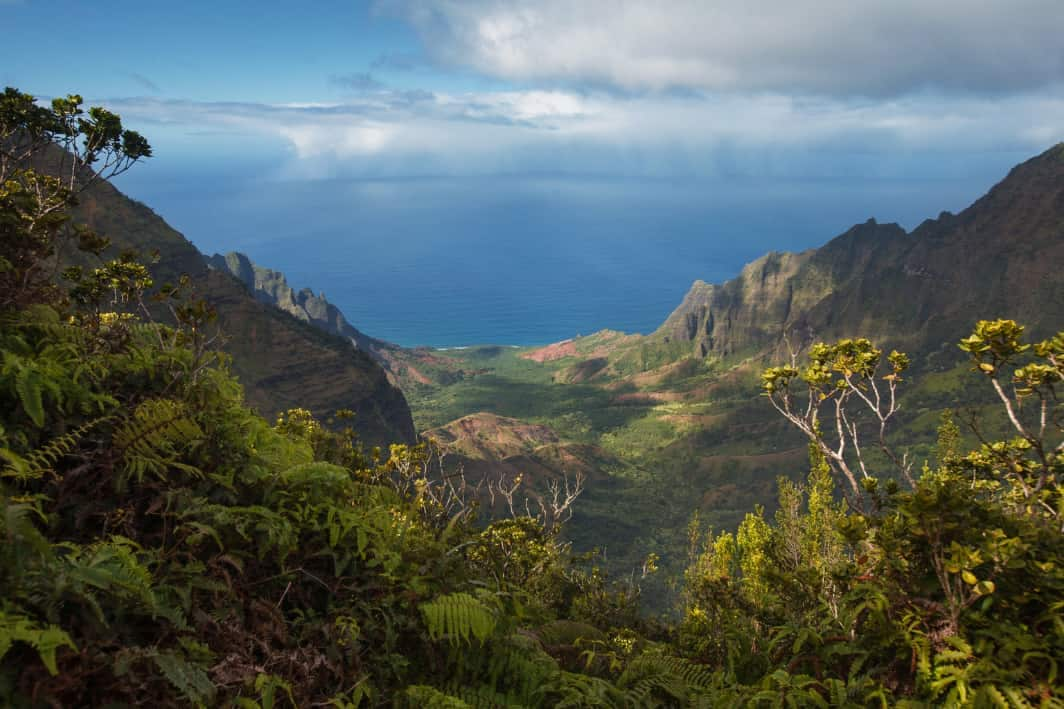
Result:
<point x="523" y="260"/>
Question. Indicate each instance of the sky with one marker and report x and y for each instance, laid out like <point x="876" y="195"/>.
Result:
<point x="663" y="88"/>
<point x="943" y="95"/>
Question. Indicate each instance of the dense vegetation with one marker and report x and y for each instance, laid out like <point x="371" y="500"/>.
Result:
<point x="164" y="545"/>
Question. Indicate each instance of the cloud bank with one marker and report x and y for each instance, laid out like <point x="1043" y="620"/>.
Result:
<point x="678" y="88"/>
<point x="834" y="47"/>
<point x="398" y="133"/>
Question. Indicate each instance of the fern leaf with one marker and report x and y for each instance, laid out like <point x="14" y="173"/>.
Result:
<point x="150" y="440"/>
<point x="459" y="617"/>
<point x="1018" y="701"/>
<point x="44" y="459"/>
<point x="18" y="528"/>
<point x="46" y="640"/>
<point x="568" y="632"/>
<point x="654" y="669"/>
<point x="188" y="678"/>
<point x="28" y="386"/>
<point x="421" y="696"/>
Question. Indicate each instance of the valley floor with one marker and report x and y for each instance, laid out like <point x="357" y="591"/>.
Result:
<point x="657" y="444"/>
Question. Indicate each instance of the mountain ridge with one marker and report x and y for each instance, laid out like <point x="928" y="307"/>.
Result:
<point x="282" y="362"/>
<point x="778" y="303"/>
<point x="403" y="366"/>
<point x="674" y="418"/>
<point x="877" y="278"/>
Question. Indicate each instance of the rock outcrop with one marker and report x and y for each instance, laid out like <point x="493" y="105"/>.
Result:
<point x="281" y="360"/>
<point x="998" y="258"/>
<point x="271" y="287"/>
<point x="405" y="367"/>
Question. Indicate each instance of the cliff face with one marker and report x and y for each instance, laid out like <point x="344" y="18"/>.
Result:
<point x="405" y="368"/>
<point x="271" y="287"/>
<point x="742" y="314"/>
<point x="282" y="362"/>
<point x="998" y="258"/>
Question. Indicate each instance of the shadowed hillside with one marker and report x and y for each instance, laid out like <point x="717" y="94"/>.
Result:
<point x="282" y="362"/>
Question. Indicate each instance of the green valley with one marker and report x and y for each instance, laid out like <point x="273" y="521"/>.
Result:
<point x="675" y="419"/>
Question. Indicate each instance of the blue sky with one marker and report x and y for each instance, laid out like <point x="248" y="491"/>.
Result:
<point x="665" y="88"/>
<point x="205" y="51"/>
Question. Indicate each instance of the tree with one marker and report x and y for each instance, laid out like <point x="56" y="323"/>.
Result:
<point x="48" y="156"/>
<point x="845" y="379"/>
<point x="842" y="382"/>
<point x="961" y="570"/>
<point x="1034" y="460"/>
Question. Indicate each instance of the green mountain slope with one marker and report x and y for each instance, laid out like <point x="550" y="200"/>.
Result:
<point x="281" y="361"/>
<point x="676" y="417"/>
<point x="926" y="286"/>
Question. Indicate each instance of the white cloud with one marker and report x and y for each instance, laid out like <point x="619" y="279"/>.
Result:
<point x="851" y="47"/>
<point x="310" y="140"/>
<point x="405" y="133"/>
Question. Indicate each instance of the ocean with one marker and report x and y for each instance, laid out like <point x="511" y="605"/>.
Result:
<point x="448" y="262"/>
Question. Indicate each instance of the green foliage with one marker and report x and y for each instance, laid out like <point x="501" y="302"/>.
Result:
<point x="163" y="545"/>
<point x="45" y="640"/>
<point x="941" y="593"/>
<point x="458" y="618"/>
<point x="842" y="387"/>
<point x="188" y="678"/>
<point x="430" y="698"/>
<point x="193" y="554"/>
<point x="43" y="460"/>
<point x="655" y="679"/>
<point x="86" y="146"/>
<point x="152" y="439"/>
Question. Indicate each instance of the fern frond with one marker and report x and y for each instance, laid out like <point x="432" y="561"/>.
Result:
<point x="578" y="691"/>
<point x="1016" y="698"/>
<point x="421" y="696"/>
<point x="116" y="566"/>
<point x="652" y="664"/>
<point x="151" y="439"/>
<point x="487" y="697"/>
<point x="43" y="460"/>
<point x="519" y="666"/>
<point x="45" y="639"/>
<point x="567" y="632"/>
<point x="19" y="530"/>
<point x="654" y="677"/>
<point x="29" y="386"/>
<point x="259" y="528"/>
<point x="458" y="617"/>
<point x="186" y="677"/>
